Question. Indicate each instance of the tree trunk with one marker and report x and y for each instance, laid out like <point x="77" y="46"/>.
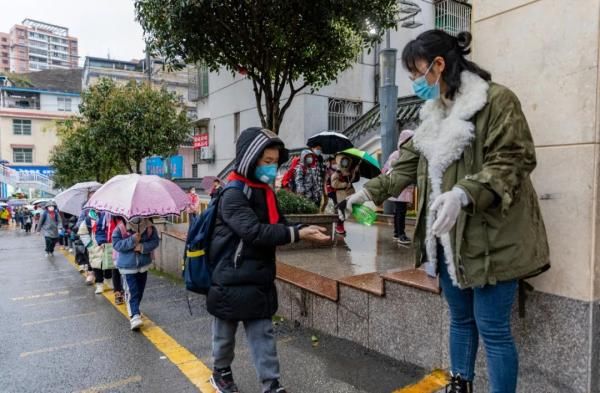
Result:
<point x="137" y="167"/>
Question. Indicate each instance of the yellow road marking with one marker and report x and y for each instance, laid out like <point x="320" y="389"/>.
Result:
<point x="66" y="346"/>
<point x="431" y="383"/>
<point x="44" y="295"/>
<point x="54" y="301"/>
<point x="59" y="319"/>
<point x="112" y="385"/>
<point x="196" y="371"/>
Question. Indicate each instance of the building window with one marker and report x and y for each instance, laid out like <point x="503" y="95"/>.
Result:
<point x="236" y="126"/>
<point x="23" y="155"/>
<point x="64" y="104"/>
<point x="343" y="113"/>
<point x="197" y="82"/>
<point x="453" y="16"/>
<point x="204" y="81"/>
<point x="195" y="170"/>
<point x="21" y="127"/>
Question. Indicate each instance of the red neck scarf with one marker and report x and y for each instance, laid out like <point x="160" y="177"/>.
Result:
<point x="271" y="201"/>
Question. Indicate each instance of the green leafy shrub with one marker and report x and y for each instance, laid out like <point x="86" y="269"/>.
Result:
<point x="295" y="204"/>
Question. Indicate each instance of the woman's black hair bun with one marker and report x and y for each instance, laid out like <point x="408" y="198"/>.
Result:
<point x="463" y="40"/>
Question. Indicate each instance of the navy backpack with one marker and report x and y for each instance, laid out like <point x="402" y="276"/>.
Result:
<point x="196" y="267"/>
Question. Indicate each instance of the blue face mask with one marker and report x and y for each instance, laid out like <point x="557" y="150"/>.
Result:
<point x="266" y="173"/>
<point x="423" y="90"/>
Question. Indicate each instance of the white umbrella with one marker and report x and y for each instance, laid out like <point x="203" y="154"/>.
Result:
<point x="72" y="200"/>
<point x="40" y="201"/>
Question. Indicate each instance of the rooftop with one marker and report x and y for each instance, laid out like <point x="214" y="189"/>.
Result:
<point x="38" y="25"/>
<point x="68" y="81"/>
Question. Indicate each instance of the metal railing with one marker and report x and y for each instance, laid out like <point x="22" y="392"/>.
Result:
<point x="26" y="179"/>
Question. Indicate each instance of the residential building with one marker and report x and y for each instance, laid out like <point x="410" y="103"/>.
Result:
<point x="226" y="103"/>
<point x="4" y="52"/>
<point x="176" y="82"/>
<point x="29" y="111"/>
<point x="36" y="45"/>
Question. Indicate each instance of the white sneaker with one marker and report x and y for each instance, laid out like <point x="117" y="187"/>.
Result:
<point x="108" y="283"/>
<point x="99" y="288"/>
<point x="89" y="280"/>
<point x="47" y="255"/>
<point x="136" y="322"/>
<point x="80" y="268"/>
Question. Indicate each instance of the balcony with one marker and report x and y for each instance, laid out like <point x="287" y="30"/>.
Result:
<point x="21" y="100"/>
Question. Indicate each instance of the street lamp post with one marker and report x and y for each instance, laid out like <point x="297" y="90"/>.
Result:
<point x="388" y="103"/>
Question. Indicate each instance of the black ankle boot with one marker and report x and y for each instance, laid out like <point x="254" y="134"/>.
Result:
<point x="459" y="385"/>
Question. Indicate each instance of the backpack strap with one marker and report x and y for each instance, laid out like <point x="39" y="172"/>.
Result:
<point x="240" y="185"/>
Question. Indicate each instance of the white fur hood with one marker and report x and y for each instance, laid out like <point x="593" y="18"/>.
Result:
<point x="442" y="138"/>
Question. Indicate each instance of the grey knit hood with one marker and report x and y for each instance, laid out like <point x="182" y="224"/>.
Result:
<point x="250" y="146"/>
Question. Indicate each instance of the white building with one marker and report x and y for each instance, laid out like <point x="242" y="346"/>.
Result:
<point x="30" y="108"/>
<point x="226" y="103"/>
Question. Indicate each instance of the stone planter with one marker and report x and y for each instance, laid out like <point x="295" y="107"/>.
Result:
<point x="324" y="220"/>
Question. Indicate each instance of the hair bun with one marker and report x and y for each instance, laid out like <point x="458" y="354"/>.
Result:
<point x="463" y="39"/>
<point x="463" y="42"/>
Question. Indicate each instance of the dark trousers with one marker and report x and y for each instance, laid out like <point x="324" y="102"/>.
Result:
<point x="50" y="243"/>
<point x="102" y="274"/>
<point x="134" y="285"/>
<point x="117" y="280"/>
<point x="400" y="219"/>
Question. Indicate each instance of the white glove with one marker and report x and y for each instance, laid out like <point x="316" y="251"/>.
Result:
<point x="446" y="208"/>
<point x="357" y="198"/>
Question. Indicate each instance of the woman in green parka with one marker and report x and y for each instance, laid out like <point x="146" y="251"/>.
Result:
<point x="479" y="226"/>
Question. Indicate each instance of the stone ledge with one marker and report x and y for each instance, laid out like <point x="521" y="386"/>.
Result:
<point x="415" y="278"/>
<point x="368" y="282"/>
<point x="312" y="282"/>
<point x="176" y="234"/>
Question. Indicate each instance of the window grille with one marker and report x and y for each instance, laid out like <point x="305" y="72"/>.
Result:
<point x="343" y="113"/>
<point x="453" y="16"/>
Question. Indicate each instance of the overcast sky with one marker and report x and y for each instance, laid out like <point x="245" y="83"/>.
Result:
<point x="102" y="26"/>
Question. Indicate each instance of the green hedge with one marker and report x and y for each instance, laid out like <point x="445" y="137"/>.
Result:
<point x="295" y="204"/>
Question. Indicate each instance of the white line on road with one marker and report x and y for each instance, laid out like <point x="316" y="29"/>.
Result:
<point x="112" y="385"/>
<point x="66" y="346"/>
<point x="44" y="295"/>
<point x="59" y="319"/>
<point x="55" y="301"/>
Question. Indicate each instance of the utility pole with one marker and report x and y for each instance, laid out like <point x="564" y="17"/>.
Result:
<point x="388" y="101"/>
<point x="166" y="160"/>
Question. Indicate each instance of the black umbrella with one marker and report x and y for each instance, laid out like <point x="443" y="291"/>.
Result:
<point x="330" y="141"/>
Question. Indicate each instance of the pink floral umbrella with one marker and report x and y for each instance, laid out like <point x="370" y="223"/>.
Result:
<point x="139" y="196"/>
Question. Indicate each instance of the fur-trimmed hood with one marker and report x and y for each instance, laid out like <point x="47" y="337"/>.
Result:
<point x="441" y="138"/>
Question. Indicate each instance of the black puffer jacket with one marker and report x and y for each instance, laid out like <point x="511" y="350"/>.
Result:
<point x="242" y="251"/>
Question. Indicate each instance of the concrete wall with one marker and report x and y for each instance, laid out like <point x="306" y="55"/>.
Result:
<point x="49" y="102"/>
<point x="547" y="52"/>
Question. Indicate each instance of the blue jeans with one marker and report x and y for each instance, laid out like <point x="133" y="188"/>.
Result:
<point x="484" y="312"/>
<point x="134" y="285"/>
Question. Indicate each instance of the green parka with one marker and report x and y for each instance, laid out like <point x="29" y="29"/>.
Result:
<point x="481" y="143"/>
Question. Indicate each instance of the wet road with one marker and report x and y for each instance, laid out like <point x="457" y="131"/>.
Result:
<point x="58" y="336"/>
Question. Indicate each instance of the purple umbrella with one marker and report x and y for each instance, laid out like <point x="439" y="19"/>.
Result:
<point x="139" y="196"/>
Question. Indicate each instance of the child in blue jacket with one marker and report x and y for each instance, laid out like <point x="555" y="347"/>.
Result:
<point x="134" y="241"/>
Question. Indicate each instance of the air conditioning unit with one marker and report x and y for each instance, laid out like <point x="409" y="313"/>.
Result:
<point x="207" y="153"/>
